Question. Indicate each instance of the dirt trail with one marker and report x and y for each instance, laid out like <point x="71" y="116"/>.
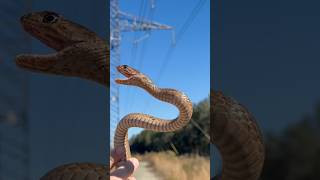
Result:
<point x="145" y="172"/>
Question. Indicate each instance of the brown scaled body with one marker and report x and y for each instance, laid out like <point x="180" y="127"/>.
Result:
<point x="238" y="138"/>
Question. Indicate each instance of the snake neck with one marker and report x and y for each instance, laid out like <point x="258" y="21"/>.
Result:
<point x="99" y="71"/>
<point x="174" y="97"/>
<point x="88" y="60"/>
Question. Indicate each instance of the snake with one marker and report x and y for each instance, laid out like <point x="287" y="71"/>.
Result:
<point x="238" y="137"/>
<point x="81" y="53"/>
<point x="148" y="122"/>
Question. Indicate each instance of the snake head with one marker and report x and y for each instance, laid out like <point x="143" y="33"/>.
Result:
<point x="54" y="30"/>
<point x="134" y="77"/>
<point x="79" y="51"/>
<point x="128" y="72"/>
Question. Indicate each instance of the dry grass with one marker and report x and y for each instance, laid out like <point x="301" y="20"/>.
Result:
<point x="172" y="167"/>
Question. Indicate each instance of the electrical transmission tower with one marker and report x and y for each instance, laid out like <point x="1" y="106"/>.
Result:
<point x="122" y="22"/>
<point x="14" y="131"/>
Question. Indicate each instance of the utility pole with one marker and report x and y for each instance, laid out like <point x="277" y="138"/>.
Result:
<point x="122" y="22"/>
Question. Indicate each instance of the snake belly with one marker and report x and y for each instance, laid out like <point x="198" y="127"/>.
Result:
<point x="238" y="138"/>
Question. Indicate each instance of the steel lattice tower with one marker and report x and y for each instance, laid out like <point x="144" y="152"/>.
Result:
<point x="122" y="22"/>
<point x="14" y="131"/>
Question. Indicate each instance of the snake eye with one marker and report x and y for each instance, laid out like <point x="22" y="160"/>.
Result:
<point x="50" y="18"/>
<point x="125" y="66"/>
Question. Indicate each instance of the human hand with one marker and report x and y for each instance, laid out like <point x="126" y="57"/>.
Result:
<point x="124" y="169"/>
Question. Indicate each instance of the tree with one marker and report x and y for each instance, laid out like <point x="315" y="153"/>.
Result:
<point x="295" y="153"/>
<point x="187" y="140"/>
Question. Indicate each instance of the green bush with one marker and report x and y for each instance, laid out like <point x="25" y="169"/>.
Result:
<point x="187" y="140"/>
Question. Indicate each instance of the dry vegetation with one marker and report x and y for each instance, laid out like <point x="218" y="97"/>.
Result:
<point x="172" y="167"/>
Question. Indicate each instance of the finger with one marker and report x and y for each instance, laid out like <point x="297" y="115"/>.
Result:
<point x="111" y="162"/>
<point x="135" y="163"/>
<point x="117" y="154"/>
<point x="124" y="170"/>
<point x="115" y="178"/>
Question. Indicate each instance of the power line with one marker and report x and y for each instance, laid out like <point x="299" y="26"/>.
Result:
<point x="192" y="16"/>
<point x="143" y="51"/>
<point x="134" y="47"/>
<point x="195" y="124"/>
<point x="123" y="22"/>
<point x="150" y="16"/>
<point x="185" y="26"/>
<point x="130" y="95"/>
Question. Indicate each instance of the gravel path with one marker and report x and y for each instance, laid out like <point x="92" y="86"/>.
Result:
<point x="144" y="172"/>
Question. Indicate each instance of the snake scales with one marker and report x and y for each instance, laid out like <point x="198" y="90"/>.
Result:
<point x="172" y="96"/>
<point x="81" y="53"/>
<point x="238" y="138"/>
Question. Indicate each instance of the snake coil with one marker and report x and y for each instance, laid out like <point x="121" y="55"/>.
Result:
<point x="238" y="138"/>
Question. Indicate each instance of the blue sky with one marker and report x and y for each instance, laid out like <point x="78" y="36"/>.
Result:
<point x="67" y="116"/>
<point x="188" y="67"/>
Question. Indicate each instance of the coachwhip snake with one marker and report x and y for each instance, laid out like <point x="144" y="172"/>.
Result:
<point x="81" y="53"/>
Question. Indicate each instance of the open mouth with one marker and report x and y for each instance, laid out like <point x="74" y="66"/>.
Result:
<point x="127" y="72"/>
<point x="37" y="62"/>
